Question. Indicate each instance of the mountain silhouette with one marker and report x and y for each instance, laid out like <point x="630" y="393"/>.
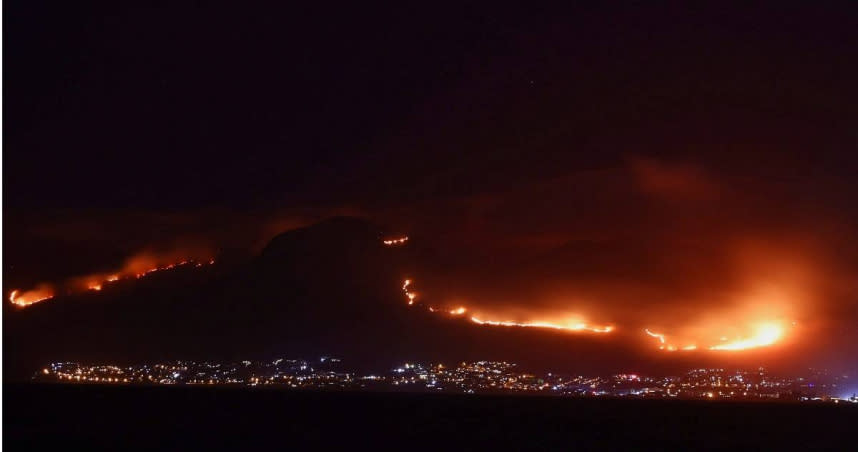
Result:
<point x="330" y="288"/>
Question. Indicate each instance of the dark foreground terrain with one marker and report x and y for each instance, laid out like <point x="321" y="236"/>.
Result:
<point x="36" y="417"/>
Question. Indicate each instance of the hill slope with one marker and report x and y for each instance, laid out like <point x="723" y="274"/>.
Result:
<point x="330" y="288"/>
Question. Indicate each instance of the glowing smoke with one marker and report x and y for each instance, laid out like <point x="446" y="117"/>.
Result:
<point x="136" y="267"/>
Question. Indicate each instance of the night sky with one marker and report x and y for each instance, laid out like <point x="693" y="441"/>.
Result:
<point x="676" y="168"/>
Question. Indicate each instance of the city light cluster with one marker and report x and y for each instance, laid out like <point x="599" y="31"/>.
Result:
<point x="464" y="377"/>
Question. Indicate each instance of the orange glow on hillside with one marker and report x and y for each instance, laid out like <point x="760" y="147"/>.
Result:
<point x="27" y="298"/>
<point x="396" y="241"/>
<point x="134" y="269"/>
<point x="555" y="326"/>
<point x="574" y="326"/>
<point x="408" y="294"/>
<point x="659" y="336"/>
<point x="766" y="334"/>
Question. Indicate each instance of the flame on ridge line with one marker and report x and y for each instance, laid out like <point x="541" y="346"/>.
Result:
<point x="395" y="241"/>
<point x="766" y="334"/>
<point x="95" y="283"/>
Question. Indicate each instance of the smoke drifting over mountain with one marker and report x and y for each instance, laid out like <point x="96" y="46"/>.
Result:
<point x="669" y="256"/>
<point x="687" y="173"/>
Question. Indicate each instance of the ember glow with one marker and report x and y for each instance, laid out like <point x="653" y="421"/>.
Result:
<point x="554" y="326"/>
<point x="746" y="322"/>
<point x="133" y="270"/>
<point x="766" y="334"/>
<point x="664" y="345"/>
<point x="411" y="296"/>
<point x="27" y="298"/>
<point x="575" y="326"/>
<point x="657" y="335"/>
<point x="396" y="241"/>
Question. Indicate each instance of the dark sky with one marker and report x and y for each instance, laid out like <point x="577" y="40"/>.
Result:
<point x="693" y="159"/>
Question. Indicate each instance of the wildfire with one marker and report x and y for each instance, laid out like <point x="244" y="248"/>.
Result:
<point x="396" y="241"/>
<point x="94" y="283"/>
<point x="659" y="336"/>
<point x="581" y="327"/>
<point x="29" y="297"/>
<point x="408" y="294"/>
<point x="555" y="326"/>
<point x="767" y="334"/>
<point x="149" y="271"/>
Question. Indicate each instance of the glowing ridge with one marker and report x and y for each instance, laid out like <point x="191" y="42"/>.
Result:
<point x="408" y="294"/>
<point x="94" y="283"/>
<point x="575" y="327"/>
<point x="767" y="334"/>
<point x="30" y="297"/>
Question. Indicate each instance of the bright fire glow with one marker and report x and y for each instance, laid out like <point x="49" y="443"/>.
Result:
<point x="659" y="336"/>
<point x="766" y="334"/>
<point x="555" y="326"/>
<point x="95" y="282"/>
<point x="408" y="294"/>
<point x="571" y="326"/>
<point x="396" y="241"/>
<point x="29" y="297"/>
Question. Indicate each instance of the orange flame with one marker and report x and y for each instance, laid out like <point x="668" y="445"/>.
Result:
<point x="23" y="299"/>
<point x="578" y="326"/>
<point x="555" y="326"/>
<point x="410" y="295"/>
<point x="96" y="283"/>
<point x="396" y="241"/>
<point x="766" y="334"/>
<point x="659" y="336"/>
